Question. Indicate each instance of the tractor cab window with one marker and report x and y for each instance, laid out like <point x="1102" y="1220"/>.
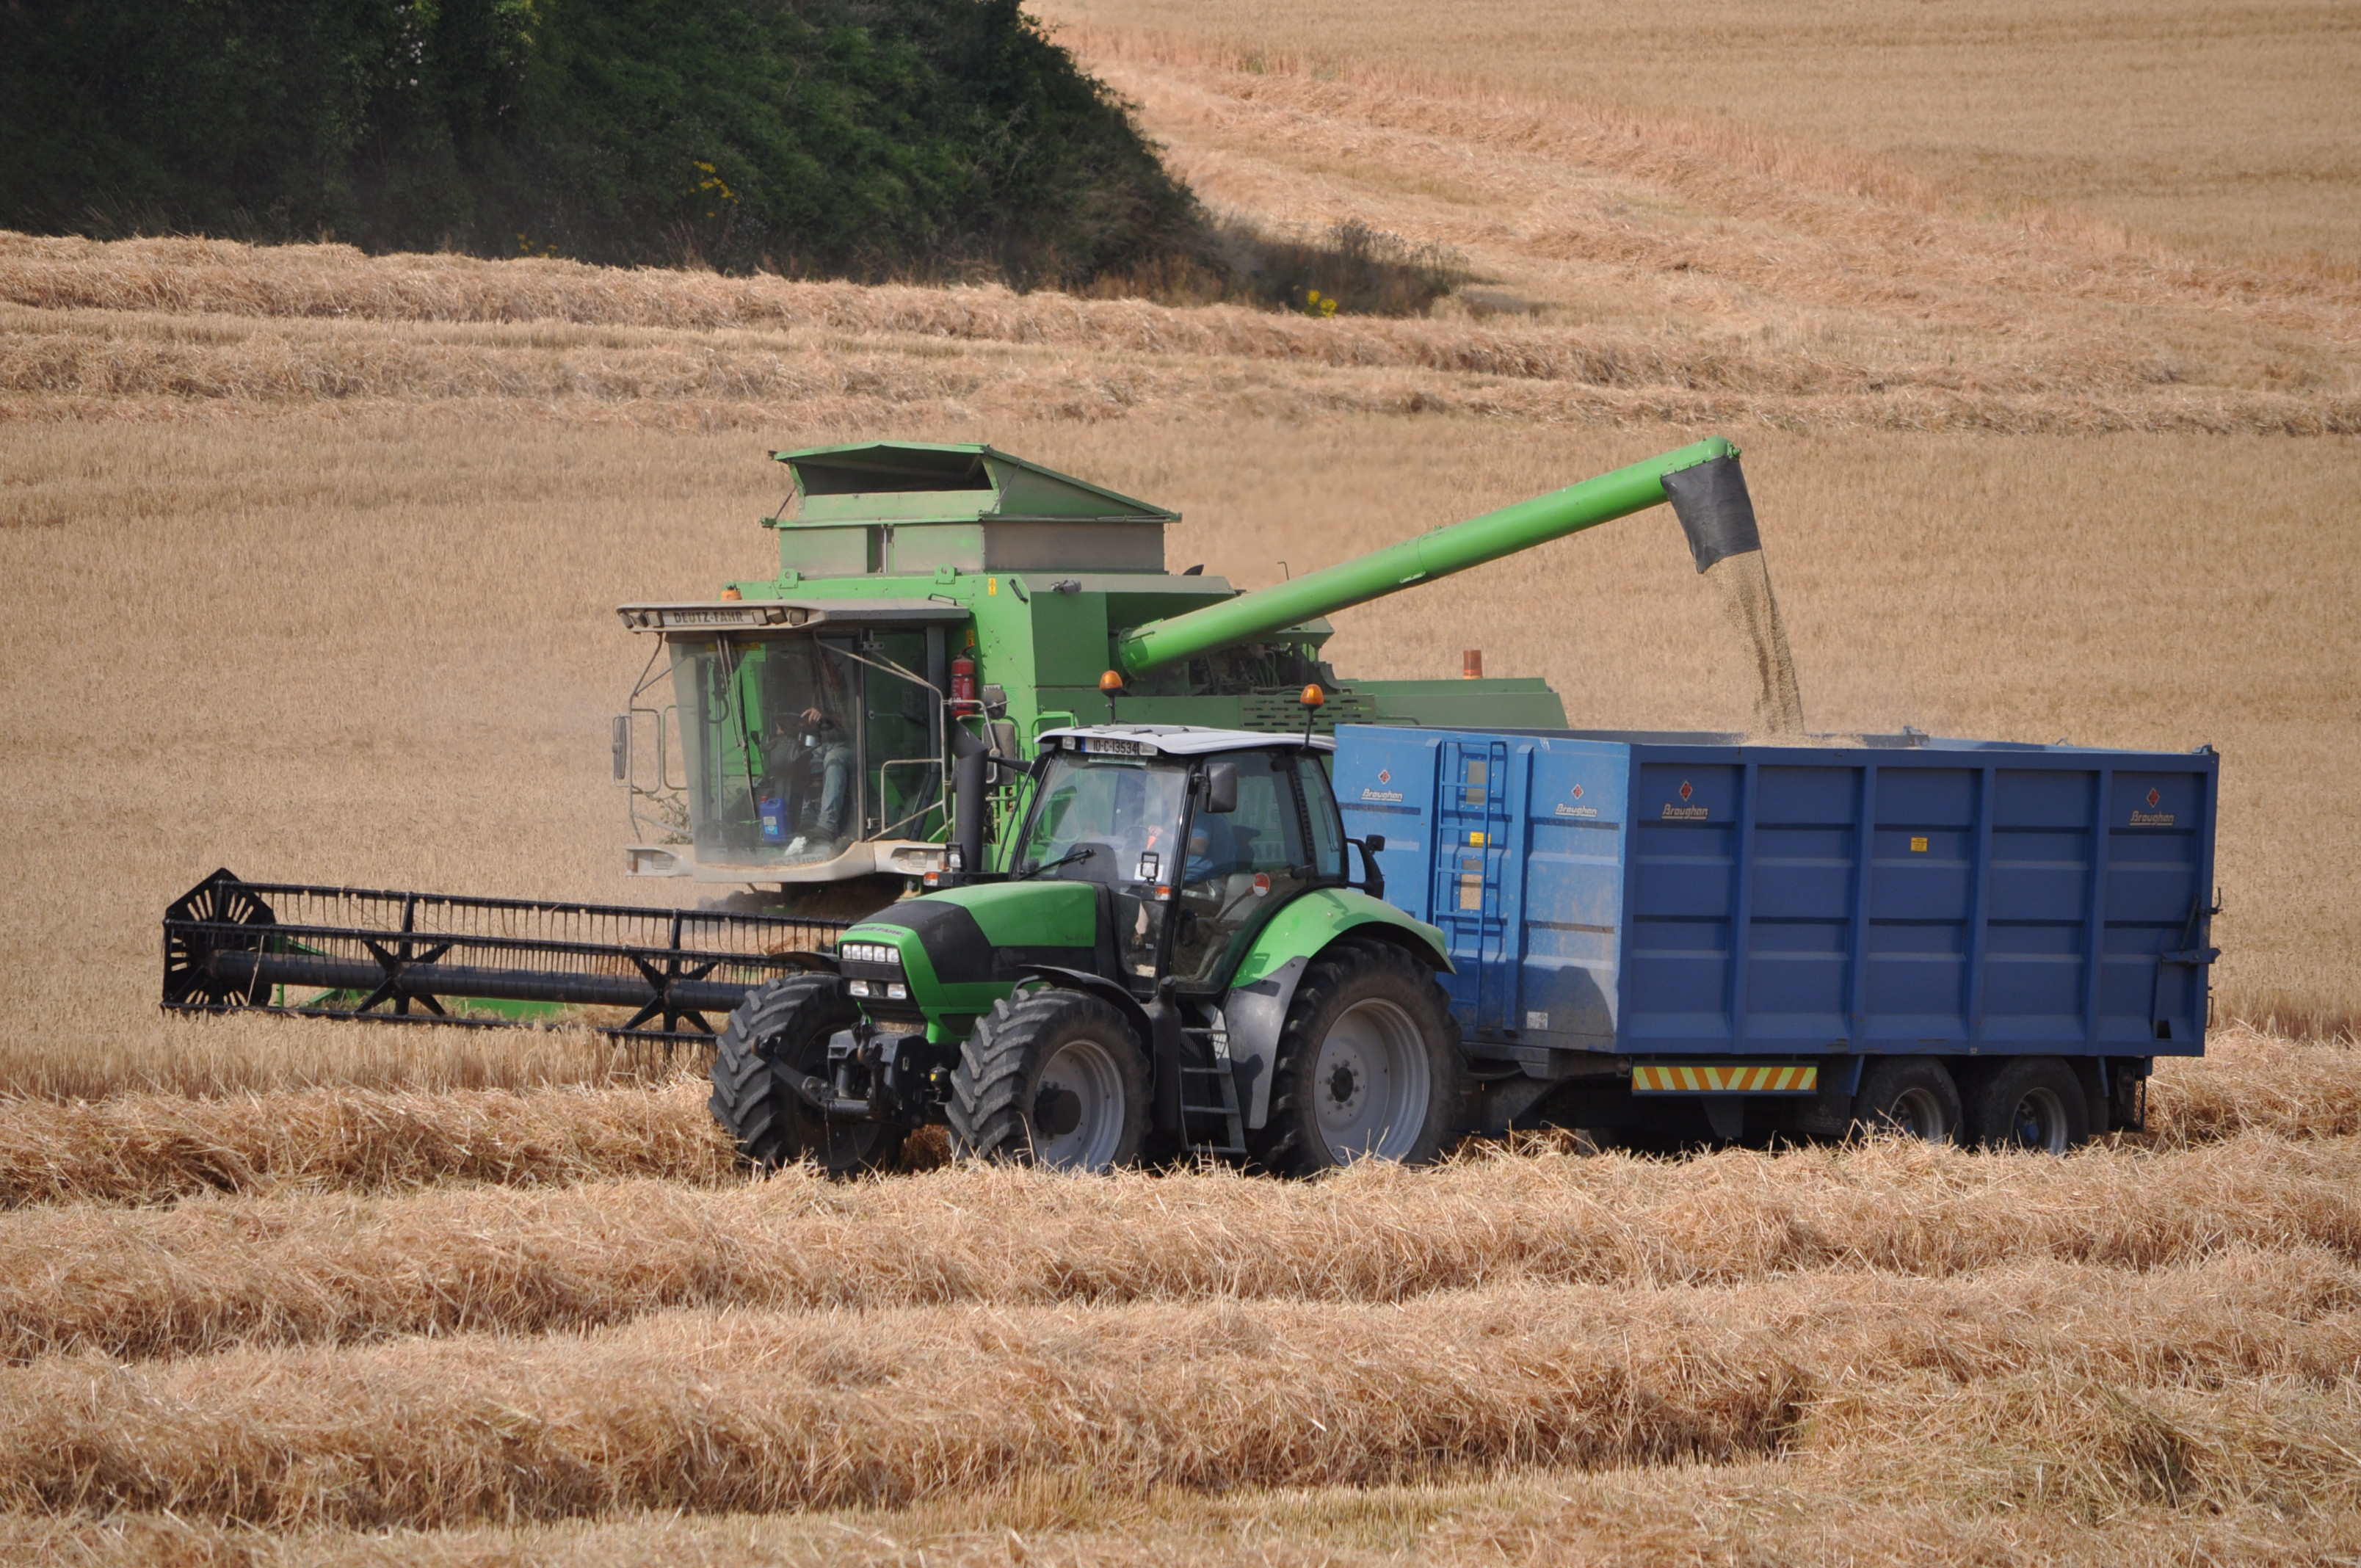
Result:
<point x="1117" y="821"/>
<point x="1240" y="866"/>
<point x="1100" y="815"/>
<point x="1320" y="808"/>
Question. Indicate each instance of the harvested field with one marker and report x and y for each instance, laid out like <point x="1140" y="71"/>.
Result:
<point x="2052" y="406"/>
<point x="144" y="1148"/>
<point x="149" y="1148"/>
<point x="748" y="1410"/>
<point x="336" y="1270"/>
<point x="2220" y="129"/>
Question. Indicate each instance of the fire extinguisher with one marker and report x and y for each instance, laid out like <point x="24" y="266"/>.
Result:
<point x="963" y="699"/>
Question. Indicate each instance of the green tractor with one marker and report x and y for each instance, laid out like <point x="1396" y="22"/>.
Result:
<point x="1178" y="962"/>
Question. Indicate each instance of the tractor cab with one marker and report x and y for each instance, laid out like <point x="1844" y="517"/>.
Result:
<point x="1199" y="836"/>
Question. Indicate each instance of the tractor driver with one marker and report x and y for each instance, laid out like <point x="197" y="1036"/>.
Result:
<point x="1212" y="848"/>
<point x="824" y="740"/>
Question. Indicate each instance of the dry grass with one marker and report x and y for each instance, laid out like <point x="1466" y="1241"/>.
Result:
<point x="142" y="1149"/>
<point x="2253" y="1082"/>
<point x="2229" y="1380"/>
<point x="2227" y="129"/>
<point x="137" y="1147"/>
<point x="1748" y="1513"/>
<point x="201" y="1059"/>
<point x="332" y="1268"/>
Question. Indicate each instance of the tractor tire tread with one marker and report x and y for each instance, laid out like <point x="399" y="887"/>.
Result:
<point x="748" y="1099"/>
<point x="986" y="1110"/>
<point x="985" y="1115"/>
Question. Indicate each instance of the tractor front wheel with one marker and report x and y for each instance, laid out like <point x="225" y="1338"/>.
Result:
<point x="780" y="1029"/>
<point x="1368" y="1065"/>
<point x="1052" y="1078"/>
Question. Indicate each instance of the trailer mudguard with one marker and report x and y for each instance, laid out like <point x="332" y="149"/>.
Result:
<point x="1253" y="1011"/>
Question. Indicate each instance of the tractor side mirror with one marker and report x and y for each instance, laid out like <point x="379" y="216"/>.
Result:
<point x="1221" y="788"/>
<point x="1375" y="843"/>
<point x="622" y="743"/>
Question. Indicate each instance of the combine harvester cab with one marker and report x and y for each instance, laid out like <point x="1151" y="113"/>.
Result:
<point x="1663" y="936"/>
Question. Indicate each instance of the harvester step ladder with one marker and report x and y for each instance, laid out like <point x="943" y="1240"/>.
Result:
<point x="1234" y="1122"/>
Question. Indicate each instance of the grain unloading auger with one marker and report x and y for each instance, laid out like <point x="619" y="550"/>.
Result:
<point x="825" y="733"/>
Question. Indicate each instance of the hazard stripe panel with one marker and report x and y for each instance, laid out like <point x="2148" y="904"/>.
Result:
<point x="1686" y="1078"/>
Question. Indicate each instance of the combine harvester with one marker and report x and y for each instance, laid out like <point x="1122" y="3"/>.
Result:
<point x="1154" y="937"/>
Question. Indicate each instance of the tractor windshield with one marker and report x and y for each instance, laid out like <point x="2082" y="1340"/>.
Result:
<point x="1102" y="816"/>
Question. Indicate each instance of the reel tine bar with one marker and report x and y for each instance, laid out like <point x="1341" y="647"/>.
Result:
<point x="235" y="946"/>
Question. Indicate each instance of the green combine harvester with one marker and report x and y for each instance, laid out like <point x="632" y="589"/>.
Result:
<point x="1143" y="933"/>
<point x="802" y="732"/>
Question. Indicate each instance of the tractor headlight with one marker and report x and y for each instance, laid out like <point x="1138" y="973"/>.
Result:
<point x="871" y="953"/>
<point x="896" y="992"/>
<point x="858" y="987"/>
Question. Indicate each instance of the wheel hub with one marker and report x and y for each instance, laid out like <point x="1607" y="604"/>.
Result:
<point x="1057" y="1111"/>
<point x="1345" y="1089"/>
<point x="1078" y="1110"/>
<point x="1368" y="1082"/>
<point x="2037" y="1121"/>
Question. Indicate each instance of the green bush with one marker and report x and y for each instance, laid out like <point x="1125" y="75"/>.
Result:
<point x="851" y="137"/>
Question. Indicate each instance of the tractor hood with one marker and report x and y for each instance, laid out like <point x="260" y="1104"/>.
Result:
<point x="983" y="936"/>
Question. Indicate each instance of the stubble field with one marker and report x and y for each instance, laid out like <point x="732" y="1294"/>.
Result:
<point x="315" y="559"/>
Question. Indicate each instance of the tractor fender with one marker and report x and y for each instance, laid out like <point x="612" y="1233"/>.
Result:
<point x="1253" y="1011"/>
<point x="1252" y="1014"/>
<point x="1097" y="985"/>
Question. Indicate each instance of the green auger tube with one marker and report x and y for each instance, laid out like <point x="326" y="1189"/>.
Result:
<point x="1414" y="560"/>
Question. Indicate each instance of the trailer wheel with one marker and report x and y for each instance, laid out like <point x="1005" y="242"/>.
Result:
<point x="1368" y="1065"/>
<point x="1910" y="1095"/>
<point x="784" y="1028"/>
<point x="1052" y="1078"/>
<point x="2034" y="1102"/>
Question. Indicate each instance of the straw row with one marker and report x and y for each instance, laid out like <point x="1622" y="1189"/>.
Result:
<point x="723" y="1410"/>
<point x="149" y="1149"/>
<point x="79" y="365"/>
<point x="1813" y="1507"/>
<point x="334" y="1268"/>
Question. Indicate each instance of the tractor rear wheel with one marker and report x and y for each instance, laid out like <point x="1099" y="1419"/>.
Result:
<point x="1052" y="1078"/>
<point x="1368" y="1065"/>
<point x="783" y="1028"/>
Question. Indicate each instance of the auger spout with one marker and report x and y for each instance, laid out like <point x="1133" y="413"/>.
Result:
<point x="1436" y="554"/>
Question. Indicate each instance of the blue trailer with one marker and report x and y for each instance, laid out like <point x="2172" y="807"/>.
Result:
<point x="1664" y="936"/>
